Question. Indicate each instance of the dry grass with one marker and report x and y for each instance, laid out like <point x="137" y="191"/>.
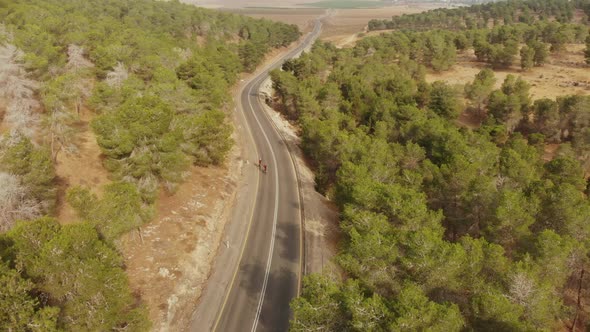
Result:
<point x="81" y="169"/>
<point x="169" y="264"/>
<point x="346" y="22"/>
<point x="342" y="27"/>
<point x="564" y="74"/>
<point x="302" y="17"/>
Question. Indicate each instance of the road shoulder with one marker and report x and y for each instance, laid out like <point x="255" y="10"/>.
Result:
<point x="320" y="216"/>
<point x="228" y="252"/>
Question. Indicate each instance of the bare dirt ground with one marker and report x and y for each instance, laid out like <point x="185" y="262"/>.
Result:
<point x="169" y="263"/>
<point x="344" y="26"/>
<point x="302" y="17"/>
<point x="564" y="74"/>
<point x="82" y="168"/>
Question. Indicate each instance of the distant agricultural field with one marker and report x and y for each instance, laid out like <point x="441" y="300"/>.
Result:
<point x="348" y="4"/>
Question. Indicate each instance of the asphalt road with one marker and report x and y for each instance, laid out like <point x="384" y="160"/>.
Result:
<point x="269" y="269"/>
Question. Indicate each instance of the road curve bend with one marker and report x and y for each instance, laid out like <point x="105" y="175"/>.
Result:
<point x="266" y="272"/>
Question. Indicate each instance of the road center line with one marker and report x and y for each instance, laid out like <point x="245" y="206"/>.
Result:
<point x="269" y="260"/>
<point x="274" y="225"/>
<point x="276" y="210"/>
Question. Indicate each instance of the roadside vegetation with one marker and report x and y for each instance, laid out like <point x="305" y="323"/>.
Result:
<point x="447" y="228"/>
<point x="157" y="77"/>
<point x="497" y="33"/>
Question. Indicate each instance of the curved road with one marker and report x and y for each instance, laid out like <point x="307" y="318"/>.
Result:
<point x="268" y="274"/>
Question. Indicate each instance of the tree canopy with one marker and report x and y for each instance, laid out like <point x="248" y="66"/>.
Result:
<point x="445" y="227"/>
<point x="156" y="78"/>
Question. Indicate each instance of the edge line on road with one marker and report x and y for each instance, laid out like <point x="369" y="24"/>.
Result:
<point x="252" y="82"/>
<point x="231" y="284"/>
<point x="276" y="210"/>
<point x="299" y="197"/>
<point x="302" y="252"/>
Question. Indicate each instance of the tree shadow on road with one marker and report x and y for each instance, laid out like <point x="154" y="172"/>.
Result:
<point x="281" y="288"/>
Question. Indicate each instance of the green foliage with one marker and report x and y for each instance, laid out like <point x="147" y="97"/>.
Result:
<point x="19" y="309"/>
<point x="158" y="74"/>
<point x="444" y="227"/>
<point x="524" y="11"/>
<point x="502" y="55"/>
<point x="416" y="312"/>
<point x="140" y="142"/>
<point x="70" y="265"/>
<point x="33" y="165"/>
<point x="534" y="22"/>
<point x="318" y="307"/>
<point x="251" y="54"/>
<point x="444" y="100"/>
<point x="144" y="142"/>
<point x="441" y="53"/>
<point x="333" y="306"/>
<point x="204" y="75"/>
<point x="152" y="78"/>
<point x="117" y="212"/>
<point x="527" y="56"/>
<point x="478" y="91"/>
<point x="511" y="102"/>
<point x="207" y="138"/>
<point x="540" y="53"/>
<point x="546" y="112"/>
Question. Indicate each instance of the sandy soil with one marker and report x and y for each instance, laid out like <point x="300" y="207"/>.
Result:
<point x="4" y="128"/>
<point x="342" y="41"/>
<point x="342" y="27"/>
<point x="550" y="151"/>
<point x="565" y="73"/>
<point x="302" y="17"/>
<point x="320" y="215"/>
<point x="169" y="263"/>
<point x="346" y="22"/>
<point x="83" y="168"/>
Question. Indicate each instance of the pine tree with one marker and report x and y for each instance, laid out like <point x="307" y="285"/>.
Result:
<point x="527" y="56"/>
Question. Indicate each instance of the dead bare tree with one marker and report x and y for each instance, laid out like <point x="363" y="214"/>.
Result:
<point x="18" y="90"/>
<point x="60" y="131"/>
<point x="76" y="59"/>
<point x="14" y="202"/>
<point x="521" y="288"/>
<point x="117" y="76"/>
<point x="80" y="86"/>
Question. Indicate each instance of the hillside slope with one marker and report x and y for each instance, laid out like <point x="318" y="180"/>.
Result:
<point x="107" y="105"/>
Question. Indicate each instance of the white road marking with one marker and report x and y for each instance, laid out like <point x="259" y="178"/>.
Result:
<point x="269" y="260"/>
<point x="276" y="211"/>
<point x="274" y="225"/>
